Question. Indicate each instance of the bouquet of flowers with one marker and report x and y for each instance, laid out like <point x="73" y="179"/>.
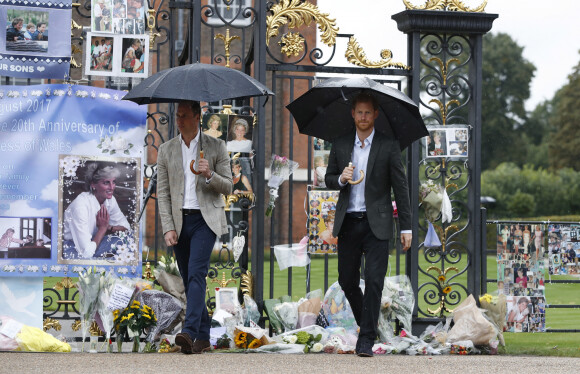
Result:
<point x="280" y="170"/>
<point x="398" y="300"/>
<point x="168" y="265"/>
<point x="287" y="314"/>
<point x="464" y="347"/>
<point x="495" y="307"/>
<point x="311" y="342"/>
<point x="431" y="197"/>
<point x="164" y="307"/>
<point x="250" y="338"/>
<point x="132" y="321"/>
<point x="89" y="286"/>
<point x="105" y="315"/>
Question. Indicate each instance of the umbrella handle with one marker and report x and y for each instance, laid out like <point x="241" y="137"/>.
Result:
<point x="193" y="162"/>
<point x="362" y="176"/>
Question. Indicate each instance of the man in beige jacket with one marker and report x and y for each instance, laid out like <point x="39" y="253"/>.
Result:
<point x="192" y="213"/>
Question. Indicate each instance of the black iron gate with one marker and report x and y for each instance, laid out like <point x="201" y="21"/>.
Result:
<point x="275" y="42"/>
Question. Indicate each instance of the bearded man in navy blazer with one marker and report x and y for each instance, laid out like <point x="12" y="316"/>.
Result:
<point x="364" y="212"/>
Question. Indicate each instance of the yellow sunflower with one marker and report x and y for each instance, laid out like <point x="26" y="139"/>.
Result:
<point x="441" y="278"/>
<point x="446" y="290"/>
<point x="240" y="339"/>
<point x="256" y="343"/>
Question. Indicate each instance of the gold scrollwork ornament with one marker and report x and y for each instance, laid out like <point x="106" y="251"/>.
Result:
<point x="356" y="56"/>
<point x="291" y="44"/>
<point x="296" y="13"/>
<point x="451" y="5"/>
<point x="51" y="323"/>
<point x="247" y="284"/>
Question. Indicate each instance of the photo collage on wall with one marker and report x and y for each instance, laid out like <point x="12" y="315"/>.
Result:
<point x="321" y="211"/>
<point x="117" y="55"/>
<point x="446" y="141"/>
<point x="521" y="267"/>
<point x="117" y="44"/>
<point x="321" y="153"/>
<point x="564" y="249"/>
<point x="118" y="16"/>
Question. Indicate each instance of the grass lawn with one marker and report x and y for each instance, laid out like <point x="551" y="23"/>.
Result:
<point x="542" y="344"/>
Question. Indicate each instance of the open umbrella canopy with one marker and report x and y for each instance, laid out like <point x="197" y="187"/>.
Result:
<point x="324" y="111"/>
<point x="196" y="82"/>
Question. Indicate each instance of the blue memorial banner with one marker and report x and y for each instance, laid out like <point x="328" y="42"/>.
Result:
<point x="70" y="180"/>
<point x="37" y="38"/>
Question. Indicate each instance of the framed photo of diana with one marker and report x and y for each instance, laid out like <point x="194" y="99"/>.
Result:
<point x="98" y="209"/>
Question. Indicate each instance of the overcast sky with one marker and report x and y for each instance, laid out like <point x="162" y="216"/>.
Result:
<point x="549" y="31"/>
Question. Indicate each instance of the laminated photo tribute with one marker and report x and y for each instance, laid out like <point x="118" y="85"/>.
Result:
<point x="35" y="43"/>
<point x="522" y="264"/>
<point x="321" y="211"/>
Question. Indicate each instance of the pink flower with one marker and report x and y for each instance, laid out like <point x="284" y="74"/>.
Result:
<point x="403" y="333"/>
<point x="379" y="350"/>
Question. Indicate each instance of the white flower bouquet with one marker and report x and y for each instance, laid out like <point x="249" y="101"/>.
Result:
<point x="89" y="286"/>
<point x="280" y="169"/>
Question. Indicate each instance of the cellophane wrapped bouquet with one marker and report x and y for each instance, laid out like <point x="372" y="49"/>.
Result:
<point x="280" y="169"/>
<point x="89" y="286"/>
<point x="397" y="301"/>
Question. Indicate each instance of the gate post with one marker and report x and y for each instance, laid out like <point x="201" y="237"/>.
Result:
<point x="258" y="219"/>
<point x="445" y="53"/>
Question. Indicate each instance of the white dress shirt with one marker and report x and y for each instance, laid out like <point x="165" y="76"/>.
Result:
<point x="188" y="154"/>
<point x="360" y="159"/>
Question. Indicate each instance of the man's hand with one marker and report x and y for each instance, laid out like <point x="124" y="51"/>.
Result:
<point x="171" y="238"/>
<point x="103" y="218"/>
<point x="347" y="174"/>
<point x="203" y="168"/>
<point x="406" y="241"/>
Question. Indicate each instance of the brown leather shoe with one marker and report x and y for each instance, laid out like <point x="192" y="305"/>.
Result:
<point x="200" y="346"/>
<point x="184" y="341"/>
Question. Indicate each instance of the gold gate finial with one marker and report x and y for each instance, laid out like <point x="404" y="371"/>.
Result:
<point x="151" y="24"/>
<point x="227" y="41"/>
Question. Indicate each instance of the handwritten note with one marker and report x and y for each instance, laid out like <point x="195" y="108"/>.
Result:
<point x="11" y="328"/>
<point x="120" y="297"/>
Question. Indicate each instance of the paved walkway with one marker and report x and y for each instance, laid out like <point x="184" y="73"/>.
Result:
<point x="174" y="363"/>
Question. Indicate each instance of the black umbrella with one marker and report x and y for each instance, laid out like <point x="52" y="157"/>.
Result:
<point x="324" y="111"/>
<point x="196" y="82"/>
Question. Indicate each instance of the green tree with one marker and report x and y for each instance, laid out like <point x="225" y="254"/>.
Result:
<point x="537" y="132"/>
<point x="506" y="86"/>
<point x="531" y="192"/>
<point x="564" y="145"/>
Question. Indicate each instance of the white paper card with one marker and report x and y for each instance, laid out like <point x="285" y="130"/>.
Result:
<point x="11" y="329"/>
<point x="120" y="297"/>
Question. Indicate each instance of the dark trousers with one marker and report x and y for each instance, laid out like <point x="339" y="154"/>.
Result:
<point x="193" y="251"/>
<point x="354" y="240"/>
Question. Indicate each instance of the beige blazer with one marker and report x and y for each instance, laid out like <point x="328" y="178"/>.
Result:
<point x="170" y="184"/>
